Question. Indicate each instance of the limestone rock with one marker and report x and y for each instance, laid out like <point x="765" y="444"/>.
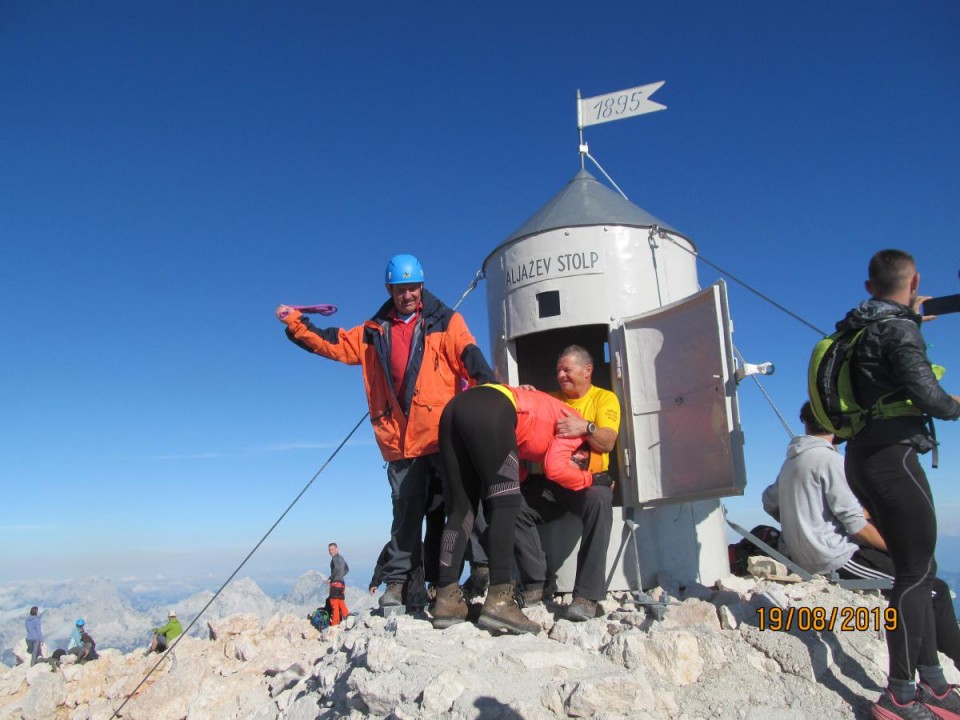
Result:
<point x="691" y="612"/>
<point x="728" y="621"/>
<point x="611" y="695"/>
<point x="671" y="655"/>
<point x="380" y="694"/>
<point x="739" y="585"/>
<point x="241" y="624"/>
<point x="441" y="693"/>
<point x="765" y="567"/>
<point x="44" y="695"/>
<point x="383" y="655"/>
<point x="588" y="635"/>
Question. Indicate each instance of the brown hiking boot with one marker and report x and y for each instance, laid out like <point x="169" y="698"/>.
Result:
<point x="393" y="595"/>
<point x="501" y="612"/>
<point x="581" y="609"/>
<point x="450" y="608"/>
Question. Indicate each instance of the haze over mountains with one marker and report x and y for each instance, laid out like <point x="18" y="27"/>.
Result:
<point x="121" y="615"/>
<point x="714" y="652"/>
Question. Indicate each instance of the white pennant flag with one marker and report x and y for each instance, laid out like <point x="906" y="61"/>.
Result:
<point x="618" y="105"/>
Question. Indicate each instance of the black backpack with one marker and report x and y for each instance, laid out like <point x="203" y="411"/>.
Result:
<point x="740" y="551"/>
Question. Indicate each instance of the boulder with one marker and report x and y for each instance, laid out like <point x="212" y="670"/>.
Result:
<point x="670" y="655"/>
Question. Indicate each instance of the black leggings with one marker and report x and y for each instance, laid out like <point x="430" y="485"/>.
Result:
<point x="478" y="446"/>
<point x="893" y="488"/>
<point x="868" y="562"/>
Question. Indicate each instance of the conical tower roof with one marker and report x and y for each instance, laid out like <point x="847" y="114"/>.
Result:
<point x="584" y="202"/>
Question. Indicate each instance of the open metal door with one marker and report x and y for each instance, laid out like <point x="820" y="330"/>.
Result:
<point x="680" y="435"/>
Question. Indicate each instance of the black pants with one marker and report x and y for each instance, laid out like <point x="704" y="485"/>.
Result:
<point x="436" y="519"/>
<point x="409" y="480"/>
<point x="478" y="444"/>
<point x="892" y="486"/>
<point x="544" y="501"/>
<point x="868" y="562"/>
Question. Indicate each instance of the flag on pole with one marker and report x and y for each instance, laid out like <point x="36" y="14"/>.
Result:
<point x="618" y="105"/>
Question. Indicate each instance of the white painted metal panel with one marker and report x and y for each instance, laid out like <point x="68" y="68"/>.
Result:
<point x="680" y="408"/>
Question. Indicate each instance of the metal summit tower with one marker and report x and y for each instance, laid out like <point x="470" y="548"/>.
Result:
<point x="592" y="268"/>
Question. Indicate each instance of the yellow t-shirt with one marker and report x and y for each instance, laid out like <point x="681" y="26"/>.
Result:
<point x="599" y="406"/>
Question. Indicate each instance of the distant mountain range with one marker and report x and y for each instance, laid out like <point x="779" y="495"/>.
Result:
<point x="122" y="615"/>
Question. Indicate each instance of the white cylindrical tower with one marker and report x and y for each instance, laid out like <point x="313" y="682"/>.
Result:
<point x="593" y="269"/>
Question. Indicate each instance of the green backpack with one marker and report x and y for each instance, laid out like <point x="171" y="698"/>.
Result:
<point x="831" y="390"/>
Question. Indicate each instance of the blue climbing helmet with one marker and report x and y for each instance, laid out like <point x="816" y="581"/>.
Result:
<point x="403" y="269"/>
<point x="81" y="622"/>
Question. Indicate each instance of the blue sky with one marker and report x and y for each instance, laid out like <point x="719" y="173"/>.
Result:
<point x="173" y="171"/>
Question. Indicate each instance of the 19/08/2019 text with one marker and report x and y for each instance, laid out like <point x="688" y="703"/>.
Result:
<point x="844" y="619"/>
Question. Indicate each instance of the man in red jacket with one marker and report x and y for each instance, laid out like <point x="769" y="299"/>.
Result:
<point x="415" y="353"/>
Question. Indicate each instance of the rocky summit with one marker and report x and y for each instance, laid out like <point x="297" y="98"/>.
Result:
<point x="714" y="654"/>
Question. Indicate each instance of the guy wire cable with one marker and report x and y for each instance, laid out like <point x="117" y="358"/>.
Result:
<point x="741" y="283"/>
<point x="697" y="255"/>
<point x="470" y="288"/>
<point x="239" y="567"/>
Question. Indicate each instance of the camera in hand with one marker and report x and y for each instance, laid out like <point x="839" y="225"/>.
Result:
<point x="942" y="305"/>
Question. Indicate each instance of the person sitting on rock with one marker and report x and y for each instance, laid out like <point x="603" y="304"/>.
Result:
<point x="76" y="636"/>
<point x="81" y="644"/>
<point x="163" y="636"/>
<point x="826" y="530"/>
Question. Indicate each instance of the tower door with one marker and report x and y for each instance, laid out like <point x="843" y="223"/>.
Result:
<point x="680" y="434"/>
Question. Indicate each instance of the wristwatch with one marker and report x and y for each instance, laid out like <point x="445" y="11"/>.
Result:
<point x="591" y="428"/>
<point x="603" y="479"/>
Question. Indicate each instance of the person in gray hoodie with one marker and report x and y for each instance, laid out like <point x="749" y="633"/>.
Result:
<point x="823" y="524"/>
<point x="824" y="528"/>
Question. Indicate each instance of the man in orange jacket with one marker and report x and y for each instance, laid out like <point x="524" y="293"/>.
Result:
<point x="415" y="353"/>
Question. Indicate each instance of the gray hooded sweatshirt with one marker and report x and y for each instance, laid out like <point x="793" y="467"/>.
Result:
<point x="816" y="508"/>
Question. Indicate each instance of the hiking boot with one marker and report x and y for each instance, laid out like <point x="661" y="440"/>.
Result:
<point x="393" y="595"/>
<point x="581" y="609"/>
<point x="450" y="607"/>
<point x="501" y="612"/>
<point x="531" y="595"/>
<point x="887" y="708"/>
<point x="946" y="706"/>
<point x="478" y="582"/>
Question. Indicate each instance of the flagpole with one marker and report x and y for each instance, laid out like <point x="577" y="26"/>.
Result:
<point x="583" y="148"/>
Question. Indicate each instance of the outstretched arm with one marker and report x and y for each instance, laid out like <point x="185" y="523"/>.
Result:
<point x="334" y="343"/>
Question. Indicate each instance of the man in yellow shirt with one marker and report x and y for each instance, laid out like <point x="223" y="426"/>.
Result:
<point x="544" y="501"/>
